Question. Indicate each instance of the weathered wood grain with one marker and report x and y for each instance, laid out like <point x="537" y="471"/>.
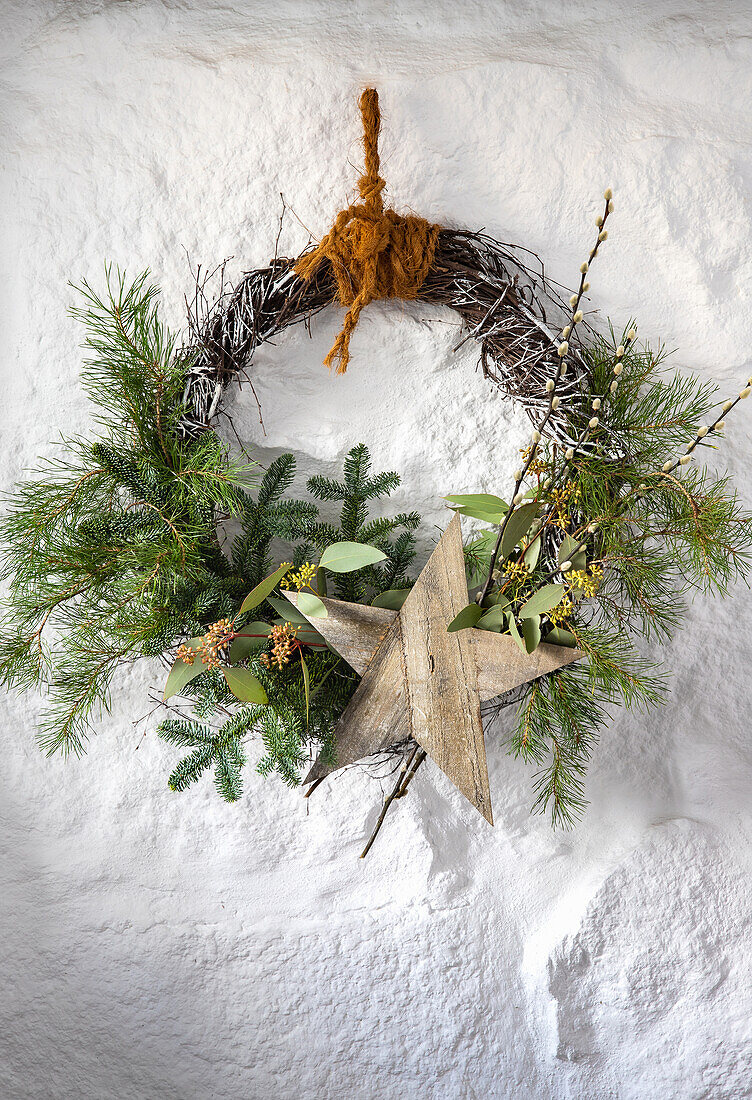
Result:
<point x="502" y="665"/>
<point x="419" y="680"/>
<point x="353" y="630"/>
<point x="377" y="716"/>
<point x="442" y="677"/>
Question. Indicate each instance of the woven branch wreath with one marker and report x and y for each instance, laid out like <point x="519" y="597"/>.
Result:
<point x="118" y="549"/>
<point x="374" y="253"/>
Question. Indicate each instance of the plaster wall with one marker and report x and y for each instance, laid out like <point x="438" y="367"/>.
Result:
<point x="170" y="946"/>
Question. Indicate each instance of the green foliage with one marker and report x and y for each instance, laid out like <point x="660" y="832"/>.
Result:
<point x="270" y="517"/>
<point x="131" y="373"/>
<point x="347" y="557"/>
<point x="558" y="723"/>
<point x="660" y="535"/>
<point x="657" y="537"/>
<point x="111" y="550"/>
<point x="465" y="618"/>
<point x="289" y="727"/>
<point x="393" y="535"/>
<point x="221" y="749"/>
<point x="297" y="721"/>
<point x="654" y="412"/>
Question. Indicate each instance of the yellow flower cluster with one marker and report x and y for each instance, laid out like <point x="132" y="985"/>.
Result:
<point x="516" y="570"/>
<point x="219" y="635"/>
<point x="586" y="582"/>
<point x="561" y="612"/>
<point x="537" y="466"/>
<point x="562" y="500"/>
<point x="284" y="641"/>
<point x="301" y="578"/>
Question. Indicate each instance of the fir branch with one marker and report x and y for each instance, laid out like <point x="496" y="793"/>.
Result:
<point x="393" y="536"/>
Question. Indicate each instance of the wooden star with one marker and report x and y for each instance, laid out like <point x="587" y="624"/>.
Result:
<point x="420" y="681"/>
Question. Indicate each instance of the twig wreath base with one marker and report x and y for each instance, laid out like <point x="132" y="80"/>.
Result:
<point x="505" y="305"/>
<point x="113" y="552"/>
<point x="370" y="253"/>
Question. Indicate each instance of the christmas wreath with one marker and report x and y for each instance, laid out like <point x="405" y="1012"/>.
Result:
<point x="152" y="539"/>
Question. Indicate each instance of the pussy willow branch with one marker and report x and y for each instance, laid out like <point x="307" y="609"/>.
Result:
<point x="554" y="398"/>
<point x="707" y="429"/>
<point x="666" y="473"/>
<point x="591" y="425"/>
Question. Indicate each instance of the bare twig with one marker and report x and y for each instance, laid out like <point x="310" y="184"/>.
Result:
<point x="404" y="776"/>
<point x="411" y="774"/>
<point x="313" y="786"/>
<point x="552" y="389"/>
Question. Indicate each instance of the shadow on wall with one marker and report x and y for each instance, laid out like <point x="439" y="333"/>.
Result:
<point x="664" y="951"/>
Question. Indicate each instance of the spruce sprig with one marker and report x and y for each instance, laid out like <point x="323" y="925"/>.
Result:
<point x="294" y="724"/>
<point x="392" y="535"/>
<point x="271" y="516"/>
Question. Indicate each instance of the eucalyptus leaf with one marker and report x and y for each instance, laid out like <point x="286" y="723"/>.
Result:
<point x="487" y="502"/>
<point x="482" y="514"/>
<point x="468" y="616"/>
<point x="182" y="673"/>
<point x="531" y="632"/>
<point x="515" y="632"/>
<point x="392" y="600"/>
<point x="543" y="600"/>
<point x="311" y="606"/>
<point x="532" y="554"/>
<point x="258" y="594"/>
<point x="241" y="647"/>
<point x="569" y="544"/>
<point x="560" y="636"/>
<point x="495" y="618"/>
<point x="306" y="686"/>
<point x="346" y="557"/>
<point x="244" y="685"/>
<point x="518" y="525"/>
<point x="287" y="610"/>
<point x="309" y="636"/>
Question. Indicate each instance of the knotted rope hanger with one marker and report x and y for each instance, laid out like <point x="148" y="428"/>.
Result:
<point x="374" y="253"/>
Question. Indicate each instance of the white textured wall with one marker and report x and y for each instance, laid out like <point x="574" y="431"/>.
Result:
<point x="169" y="946"/>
